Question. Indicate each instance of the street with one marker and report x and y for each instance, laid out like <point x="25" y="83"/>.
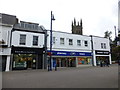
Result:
<point x="81" y="77"/>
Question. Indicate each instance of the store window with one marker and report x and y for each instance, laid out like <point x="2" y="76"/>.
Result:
<point x="62" y="41"/>
<point x="70" y="41"/>
<point x="79" y="42"/>
<point x="35" y="40"/>
<point x="86" y="43"/>
<point x="24" y="61"/>
<point x="84" y="60"/>
<point x="22" y="39"/>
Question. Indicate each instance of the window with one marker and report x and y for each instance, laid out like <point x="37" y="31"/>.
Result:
<point x="103" y="45"/>
<point x="61" y="40"/>
<point x="86" y="43"/>
<point x="79" y="42"/>
<point x="35" y="40"/>
<point x="70" y="42"/>
<point x="53" y="40"/>
<point x="22" y="39"/>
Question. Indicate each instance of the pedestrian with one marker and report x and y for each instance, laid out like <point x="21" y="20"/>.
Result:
<point x="107" y="62"/>
<point x="101" y="63"/>
<point x="55" y="67"/>
<point x="48" y="67"/>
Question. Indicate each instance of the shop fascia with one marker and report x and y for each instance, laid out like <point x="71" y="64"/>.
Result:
<point x="68" y="53"/>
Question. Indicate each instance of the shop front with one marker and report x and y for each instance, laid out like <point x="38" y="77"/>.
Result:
<point x="70" y="59"/>
<point x="27" y="58"/>
<point x="102" y="56"/>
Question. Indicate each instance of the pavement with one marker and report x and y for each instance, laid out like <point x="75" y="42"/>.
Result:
<point x="81" y="77"/>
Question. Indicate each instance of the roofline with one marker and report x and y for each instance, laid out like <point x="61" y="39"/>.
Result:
<point x="8" y="14"/>
<point x="68" y="33"/>
<point x="98" y="36"/>
<point x="25" y="30"/>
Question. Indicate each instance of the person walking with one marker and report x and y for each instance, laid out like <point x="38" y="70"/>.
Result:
<point x="107" y="62"/>
<point x="101" y="63"/>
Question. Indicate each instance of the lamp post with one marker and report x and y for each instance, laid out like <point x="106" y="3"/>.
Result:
<point x="50" y="62"/>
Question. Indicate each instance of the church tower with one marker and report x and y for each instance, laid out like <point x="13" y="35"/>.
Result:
<point x="77" y="28"/>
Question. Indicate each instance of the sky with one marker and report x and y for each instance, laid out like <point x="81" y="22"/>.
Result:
<point x="98" y="16"/>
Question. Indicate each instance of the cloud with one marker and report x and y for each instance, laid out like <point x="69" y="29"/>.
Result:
<point x="97" y="15"/>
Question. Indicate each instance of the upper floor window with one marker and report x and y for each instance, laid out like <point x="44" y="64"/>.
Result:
<point x="70" y="41"/>
<point x="22" y="39"/>
<point x="86" y="43"/>
<point x="35" y="40"/>
<point x="53" y="40"/>
<point x="103" y="45"/>
<point x="61" y="40"/>
<point x="79" y="42"/>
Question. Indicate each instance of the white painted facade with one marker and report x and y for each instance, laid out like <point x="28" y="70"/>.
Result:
<point x="5" y="34"/>
<point x="97" y="41"/>
<point x="29" y="39"/>
<point x="66" y="46"/>
<point x="56" y="46"/>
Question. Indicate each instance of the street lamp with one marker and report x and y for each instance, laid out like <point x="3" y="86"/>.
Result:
<point x="52" y="19"/>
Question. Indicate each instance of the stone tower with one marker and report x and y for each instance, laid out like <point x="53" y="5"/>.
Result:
<point x="77" y="28"/>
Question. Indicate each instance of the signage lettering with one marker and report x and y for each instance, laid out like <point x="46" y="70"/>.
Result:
<point x="68" y="53"/>
<point x="102" y="52"/>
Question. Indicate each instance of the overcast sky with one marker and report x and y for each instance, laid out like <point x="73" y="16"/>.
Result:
<point x="98" y="16"/>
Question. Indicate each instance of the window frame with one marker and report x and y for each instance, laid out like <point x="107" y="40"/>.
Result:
<point x="86" y="44"/>
<point x="62" y="42"/>
<point x="104" y="45"/>
<point x="71" y="43"/>
<point x="23" y="40"/>
<point x="53" y="40"/>
<point x="35" y="42"/>
<point x="78" y="43"/>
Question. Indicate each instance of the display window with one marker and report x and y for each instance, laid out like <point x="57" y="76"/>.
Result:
<point x="64" y="62"/>
<point x="84" y="60"/>
<point x="24" y="61"/>
<point x="102" y="59"/>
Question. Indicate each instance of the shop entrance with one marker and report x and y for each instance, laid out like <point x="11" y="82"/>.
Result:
<point x="65" y="62"/>
<point x="101" y="59"/>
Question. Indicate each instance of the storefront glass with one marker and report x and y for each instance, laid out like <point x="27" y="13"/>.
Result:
<point x="84" y="60"/>
<point x="102" y="59"/>
<point x="64" y="62"/>
<point x="24" y="61"/>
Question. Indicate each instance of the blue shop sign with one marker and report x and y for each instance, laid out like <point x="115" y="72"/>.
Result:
<point x="67" y="53"/>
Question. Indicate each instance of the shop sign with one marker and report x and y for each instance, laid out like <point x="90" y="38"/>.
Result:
<point x="25" y="50"/>
<point x="102" y="52"/>
<point x="67" y="53"/>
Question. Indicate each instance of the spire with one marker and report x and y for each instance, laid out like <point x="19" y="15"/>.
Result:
<point x="74" y="22"/>
<point x="81" y="22"/>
